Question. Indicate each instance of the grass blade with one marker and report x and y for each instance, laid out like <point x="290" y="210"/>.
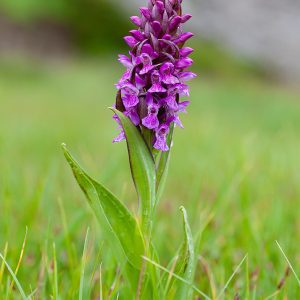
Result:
<point x="55" y="279"/>
<point x="272" y="295"/>
<point x="210" y="277"/>
<point x="100" y="283"/>
<point x="83" y="263"/>
<point x="247" y="296"/>
<point x="3" y="263"/>
<point x="186" y="258"/>
<point x="232" y="276"/>
<point x="13" y="275"/>
<point x="96" y="262"/>
<point x="7" y="289"/>
<point x="21" y="257"/>
<point x="177" y="277"/>
<point x="289" y="263"/>
<point x="66" y="233"/>
<point x="170" y="277"/>
<point x="31" y="295"/>
<point x="114" y="285"/>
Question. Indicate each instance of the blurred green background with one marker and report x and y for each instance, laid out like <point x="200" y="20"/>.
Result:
<point x="235" y="166"/>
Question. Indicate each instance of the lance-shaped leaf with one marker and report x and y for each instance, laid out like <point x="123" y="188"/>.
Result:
<point x="142" y="168"/>
<point x="106" y="205"/>
<point x="185" y="261"/>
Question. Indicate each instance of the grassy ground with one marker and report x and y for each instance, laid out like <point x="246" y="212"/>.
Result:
<point x="235" y="167"/>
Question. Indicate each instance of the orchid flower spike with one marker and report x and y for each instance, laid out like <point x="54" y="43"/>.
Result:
<point x="150" y="90"/>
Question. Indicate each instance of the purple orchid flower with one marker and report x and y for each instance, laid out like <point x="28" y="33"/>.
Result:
<point x="129" y="95"/>
<point x="147" y="63"/>
<point x="149" y="91"/>
<point x="161" y="137"/>
<point x="156" y="83"/>
<point x="166" y="71"/>
<point x="151" y="120"/>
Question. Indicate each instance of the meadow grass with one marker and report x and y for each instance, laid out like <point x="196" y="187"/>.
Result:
<point x="235" y="167"/>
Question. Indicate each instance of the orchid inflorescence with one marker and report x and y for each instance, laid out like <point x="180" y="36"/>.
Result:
<point x="149" y="91"/>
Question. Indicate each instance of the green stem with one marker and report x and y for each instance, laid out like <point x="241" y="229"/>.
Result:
<point x="147" y="134"/>
<point x="163" y="161"/>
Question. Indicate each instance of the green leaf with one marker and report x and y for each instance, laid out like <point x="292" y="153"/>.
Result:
<point x="106" y="205"/>
<point x="185" y="261"/>
<point x="142" y="168"/>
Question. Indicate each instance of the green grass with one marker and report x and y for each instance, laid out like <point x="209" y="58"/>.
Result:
<point x="235" y="167"/>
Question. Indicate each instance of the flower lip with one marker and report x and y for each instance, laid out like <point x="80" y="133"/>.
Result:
<point x="120" y="137"/>
<point x="161" y="138"/>
<point x="184" y="63"/>
<point x="125" y="61"/>
<point x="185" y="76"/>
<point x="129" y="95"/>
<point x="155" y="77"/>
<point x="167" y="70"/>
<point x="151" y="120"/>
<point x="130" y="89"/>
<point x="147" y="63"/>
<point x="156" y="83"/>
<point x="170" y="101"/>
<point x="133" y="115"/>
<point x="181" y="89"/>
<point x="146" y="59"/>
<point x="130" y="101"/>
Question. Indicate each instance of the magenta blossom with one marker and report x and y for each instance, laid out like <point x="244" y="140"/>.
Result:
<point x="149" y="91"/>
